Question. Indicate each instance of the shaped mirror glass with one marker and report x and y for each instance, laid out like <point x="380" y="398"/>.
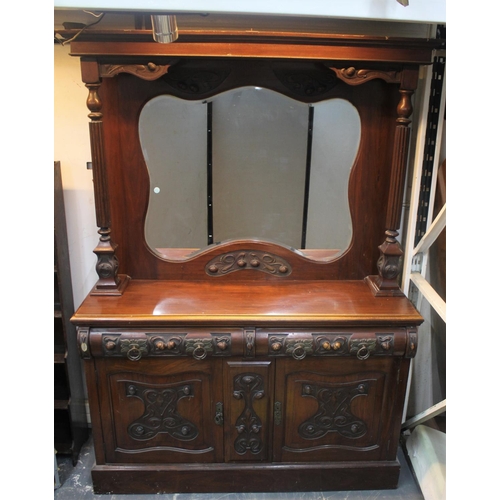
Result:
<point x="249" y="163"/>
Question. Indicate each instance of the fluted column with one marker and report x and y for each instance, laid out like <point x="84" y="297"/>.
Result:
<point x="389" y="265"/>
<point x="109" y="282"/>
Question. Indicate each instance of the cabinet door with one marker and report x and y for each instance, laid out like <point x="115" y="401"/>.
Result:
<point x="336" y="409"/>
<point x="161" y="411"/>
<point x="248" y="399"/>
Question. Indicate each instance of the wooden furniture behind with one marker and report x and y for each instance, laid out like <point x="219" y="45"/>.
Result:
<point x="248" y="366"/>
<point x="70" y="420"/>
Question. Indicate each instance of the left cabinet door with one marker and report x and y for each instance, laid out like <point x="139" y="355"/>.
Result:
<point x="160" y="410"/>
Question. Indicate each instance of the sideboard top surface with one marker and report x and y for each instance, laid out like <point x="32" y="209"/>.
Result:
<point x="297" y="303"/>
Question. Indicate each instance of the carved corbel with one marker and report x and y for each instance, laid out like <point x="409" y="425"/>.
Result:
<point x="411" y="343"/>
<point x="109" y="282"/>
<point x="82" y="339"/>
<point x="390" y="261"/>
<point x="353" y="76"/>
<point x="149" y="71"/>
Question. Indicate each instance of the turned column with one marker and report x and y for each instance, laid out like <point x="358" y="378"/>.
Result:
<point x="389" y="265"/>
<point x="109" y="282"/>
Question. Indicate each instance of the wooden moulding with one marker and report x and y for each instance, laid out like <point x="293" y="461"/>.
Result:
<point x="251" y="478"/>
<point x="272" y="44"/>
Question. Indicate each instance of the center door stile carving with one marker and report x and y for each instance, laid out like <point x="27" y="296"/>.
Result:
<point x="249" y="397"/>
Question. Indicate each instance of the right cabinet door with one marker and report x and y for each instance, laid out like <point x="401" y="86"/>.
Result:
<point x="337" y="409"/>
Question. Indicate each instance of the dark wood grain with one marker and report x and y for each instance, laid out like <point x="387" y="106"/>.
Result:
<point x="227" y="478"/>
<point x="373" y="408"/>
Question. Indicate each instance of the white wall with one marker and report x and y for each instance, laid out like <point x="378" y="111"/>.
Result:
<point x="432" y="11"/>
<point x="72" y="149"/>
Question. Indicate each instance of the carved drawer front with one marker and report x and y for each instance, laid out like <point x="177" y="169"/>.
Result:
<point x="247" y="421"/>
<point x="135" y="344"/>
<point x="356" y="343"/>
<point x="163" y="412"/>
<point x="334" y="410"/>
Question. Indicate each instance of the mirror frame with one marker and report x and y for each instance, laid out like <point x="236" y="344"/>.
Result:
<point x="377" y="76"/>
<point x="232" y="197"/>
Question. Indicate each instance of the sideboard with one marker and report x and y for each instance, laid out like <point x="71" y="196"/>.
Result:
<point x="220" y="358"/>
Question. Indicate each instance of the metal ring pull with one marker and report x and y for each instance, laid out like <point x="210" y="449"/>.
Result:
<point x="363" y="352"/>
<point x="199" y="352"/>
<point x="299" y="352"/>
<point x="134" y="353"/>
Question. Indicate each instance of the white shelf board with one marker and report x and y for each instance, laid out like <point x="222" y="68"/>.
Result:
<point x="426" y="449"/>
<point x="425" y="11"/>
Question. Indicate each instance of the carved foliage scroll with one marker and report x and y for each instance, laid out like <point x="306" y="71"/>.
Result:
<point x="379" y="344"/>
<point x="309" y="83"/>
<point x="334" y="413"/>
<point x="137" y="346"/>
<point x="160" y="413"/>
<point x="353" y="76"/>
<point x="150" y="71"/>
<point x="248" y="259"/>
<point x="248" y="387"/>
<point x="195" y="81"/>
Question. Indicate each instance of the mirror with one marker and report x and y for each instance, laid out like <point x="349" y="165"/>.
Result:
<point x="249" y="163"/>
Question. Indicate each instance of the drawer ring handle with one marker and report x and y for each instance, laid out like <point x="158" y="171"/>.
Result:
<point x="199" y="352"/>
<point x="134" y="353"/>
<point x="299" y="352"/>
<point x="363" y="352"/>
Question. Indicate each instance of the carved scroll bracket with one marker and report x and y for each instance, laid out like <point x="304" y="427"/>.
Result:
<point x="149" y="71"/>
<point x="353" y="76"/>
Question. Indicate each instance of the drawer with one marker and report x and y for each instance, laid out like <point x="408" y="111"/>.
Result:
<point x="135" y="344"/>
<point x="360" y="343"/>
<point x="200" y="343"/>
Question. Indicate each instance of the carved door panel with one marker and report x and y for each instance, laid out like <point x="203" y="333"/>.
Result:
<point x="161" y="411"/>
<point x="248" y="400"/>
<point x="334" y="409"/>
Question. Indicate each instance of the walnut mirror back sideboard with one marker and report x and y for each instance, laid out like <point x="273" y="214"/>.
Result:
<point x="247" y="331"/>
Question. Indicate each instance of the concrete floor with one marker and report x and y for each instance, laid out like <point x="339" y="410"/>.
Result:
<point x="76" y="484"/>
